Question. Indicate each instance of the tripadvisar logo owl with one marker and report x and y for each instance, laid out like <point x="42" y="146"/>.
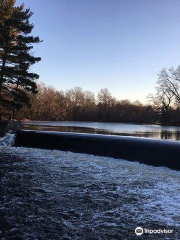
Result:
<point x="139" y="231"/>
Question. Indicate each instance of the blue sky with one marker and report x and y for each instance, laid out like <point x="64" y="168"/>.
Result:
<point x="118" y="44"/>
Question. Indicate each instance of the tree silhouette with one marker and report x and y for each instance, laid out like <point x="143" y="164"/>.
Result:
<point x="16" y="43"/>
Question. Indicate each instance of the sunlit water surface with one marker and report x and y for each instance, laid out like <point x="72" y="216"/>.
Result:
<point x="148" y="131"/>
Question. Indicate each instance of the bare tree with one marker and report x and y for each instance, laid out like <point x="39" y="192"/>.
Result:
<point x="75" y="104"/>
<point x="163" y="100"/>
<point x="169" y="81"/>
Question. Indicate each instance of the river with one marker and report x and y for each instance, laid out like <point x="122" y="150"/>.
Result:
<point x="123" y="129"/>
<point x="50" y="194"/>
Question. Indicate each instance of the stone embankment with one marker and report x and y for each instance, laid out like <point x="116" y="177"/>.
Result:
<point x="6" y="125"/>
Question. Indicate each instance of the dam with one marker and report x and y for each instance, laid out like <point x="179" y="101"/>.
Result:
<point x="148" y="151"/>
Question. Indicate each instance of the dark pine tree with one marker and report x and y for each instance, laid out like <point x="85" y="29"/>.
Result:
<point x="16" y="43"/>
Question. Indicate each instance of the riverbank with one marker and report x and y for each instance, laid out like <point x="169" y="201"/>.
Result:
<point x="3" y="127"/>
<point x="6" y="125"/>
<point x="62" y="195"/>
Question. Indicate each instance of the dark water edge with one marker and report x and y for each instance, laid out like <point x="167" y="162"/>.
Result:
<point x="163" y="134"/>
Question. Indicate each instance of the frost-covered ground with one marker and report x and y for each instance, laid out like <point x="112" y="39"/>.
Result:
<point x="62" y="195"/>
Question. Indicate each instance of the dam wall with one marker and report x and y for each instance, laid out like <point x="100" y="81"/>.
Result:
<point x="148" y="151"/>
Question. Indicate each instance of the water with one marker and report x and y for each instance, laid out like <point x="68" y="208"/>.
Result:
<point x="49" y="194"/>
<point x="148" y="131"/>
<point x="7" y="140"/>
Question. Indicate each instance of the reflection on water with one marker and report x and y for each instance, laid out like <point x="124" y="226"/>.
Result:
<point x="147" y="131"/>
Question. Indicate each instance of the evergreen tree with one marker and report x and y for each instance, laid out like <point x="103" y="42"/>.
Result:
<point x="16" y="43"/>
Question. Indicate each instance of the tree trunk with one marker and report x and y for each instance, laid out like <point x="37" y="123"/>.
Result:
<point x="13" y="112"/>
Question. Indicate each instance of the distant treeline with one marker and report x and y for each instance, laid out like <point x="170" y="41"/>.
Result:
<point x="49" y="104"/>
<point x="78" y="105"/>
